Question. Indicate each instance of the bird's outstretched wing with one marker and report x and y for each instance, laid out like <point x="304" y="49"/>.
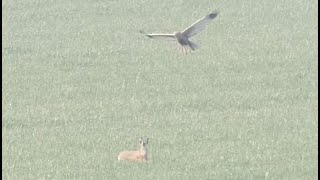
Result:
<point x="200" y="25"/>
<point x="168" y="37"/>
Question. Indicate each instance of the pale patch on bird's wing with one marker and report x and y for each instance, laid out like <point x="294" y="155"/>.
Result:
<point x="200" y="25"/>
<point x="168" y="37"/>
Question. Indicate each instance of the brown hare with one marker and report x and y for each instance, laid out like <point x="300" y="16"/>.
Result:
<point x="136" y="156"/>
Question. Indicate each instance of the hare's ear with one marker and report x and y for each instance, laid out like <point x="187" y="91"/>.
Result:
<point x="141" y="141"/>
<point x="147" y="140"/>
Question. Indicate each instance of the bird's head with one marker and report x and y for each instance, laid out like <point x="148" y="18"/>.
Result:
<point x="177" y="34"/>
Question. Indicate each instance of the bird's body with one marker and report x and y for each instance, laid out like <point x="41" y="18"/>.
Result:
<point x="182" y="37"/>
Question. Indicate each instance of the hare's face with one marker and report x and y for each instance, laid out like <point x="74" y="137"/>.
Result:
<point x="143" y="145"/>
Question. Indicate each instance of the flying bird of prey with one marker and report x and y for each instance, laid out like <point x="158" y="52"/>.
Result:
<point x="183" y="36"/>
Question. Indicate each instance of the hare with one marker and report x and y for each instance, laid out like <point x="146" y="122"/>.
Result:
<point x="136" y="156"/>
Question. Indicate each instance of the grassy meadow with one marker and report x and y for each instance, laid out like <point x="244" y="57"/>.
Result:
<point x="80" y="84"/>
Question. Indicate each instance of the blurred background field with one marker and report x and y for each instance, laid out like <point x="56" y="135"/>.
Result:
<point x="80" y="84"/>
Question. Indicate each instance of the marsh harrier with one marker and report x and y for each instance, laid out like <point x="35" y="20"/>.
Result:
<point x="183" y="36"/>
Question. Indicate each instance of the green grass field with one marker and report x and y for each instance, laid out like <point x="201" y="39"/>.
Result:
<point x="80" y="84"/>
